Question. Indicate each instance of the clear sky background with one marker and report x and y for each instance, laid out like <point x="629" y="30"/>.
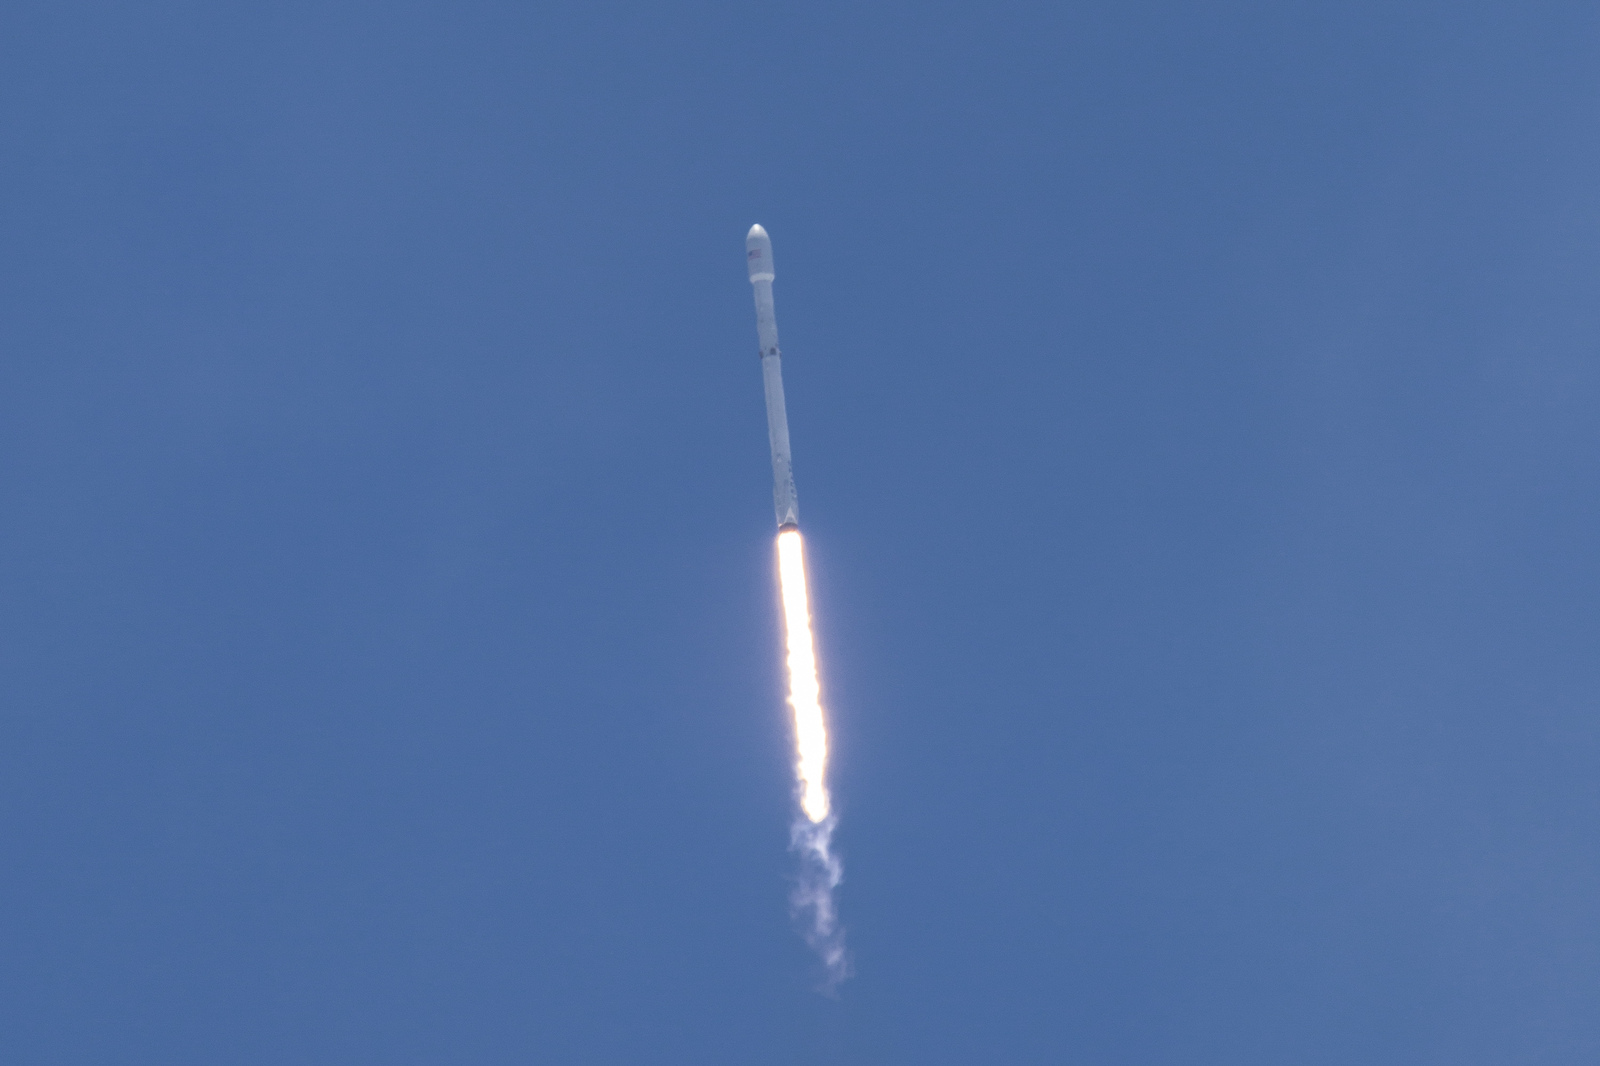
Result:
<point x="1196" y="413"/>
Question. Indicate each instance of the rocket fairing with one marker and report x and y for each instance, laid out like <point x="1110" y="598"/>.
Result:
<point x="758" y="258"/>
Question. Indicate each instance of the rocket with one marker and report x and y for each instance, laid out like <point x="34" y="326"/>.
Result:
<point x="758" y="258"/>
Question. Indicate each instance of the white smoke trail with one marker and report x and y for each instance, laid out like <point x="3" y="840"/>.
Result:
<point x="820" y="873"/>
<point x="812" y="835"/>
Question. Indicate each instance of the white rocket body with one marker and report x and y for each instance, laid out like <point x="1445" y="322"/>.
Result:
<point x="758" y="257"/>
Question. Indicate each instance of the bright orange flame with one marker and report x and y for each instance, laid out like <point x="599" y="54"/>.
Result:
<point x="811" y="732"/>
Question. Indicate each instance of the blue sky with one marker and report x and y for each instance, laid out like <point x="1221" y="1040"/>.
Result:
<point x="1195" y="419"/>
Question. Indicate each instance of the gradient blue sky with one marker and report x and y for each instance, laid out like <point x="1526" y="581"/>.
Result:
<point x="1196" y="413"/>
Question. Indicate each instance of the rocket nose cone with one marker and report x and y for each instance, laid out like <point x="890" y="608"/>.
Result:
<point x="758" y="254"/>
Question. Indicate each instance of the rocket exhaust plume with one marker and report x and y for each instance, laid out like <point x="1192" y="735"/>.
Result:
<point x="811" y="734"/>
<point x="812" y="834"/>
